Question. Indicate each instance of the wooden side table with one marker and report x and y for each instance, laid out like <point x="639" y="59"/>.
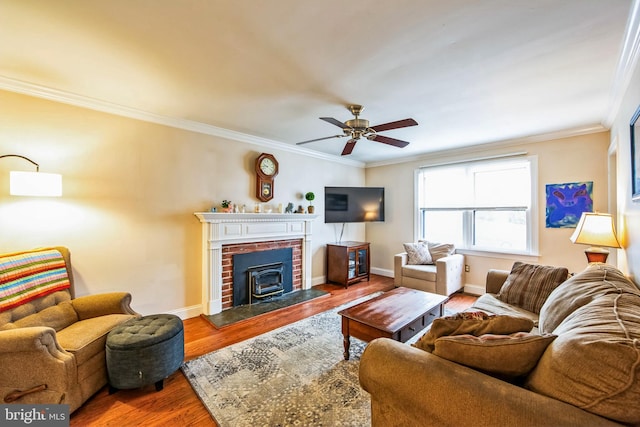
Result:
<point x="348" y="262"/>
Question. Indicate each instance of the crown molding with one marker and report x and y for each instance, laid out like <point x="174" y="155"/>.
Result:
<point x="38" y="91"/>
<point x="477" y="148"/>
<point x="627" y="62"/>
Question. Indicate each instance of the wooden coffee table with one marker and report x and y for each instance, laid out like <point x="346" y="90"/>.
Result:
<point x="398" y="314"/>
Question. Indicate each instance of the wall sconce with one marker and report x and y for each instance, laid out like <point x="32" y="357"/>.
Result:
<point x="596" y="229"/>
<point x="34" y="183"/>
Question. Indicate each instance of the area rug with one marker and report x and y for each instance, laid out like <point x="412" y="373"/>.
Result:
<point x="292" y="376"/>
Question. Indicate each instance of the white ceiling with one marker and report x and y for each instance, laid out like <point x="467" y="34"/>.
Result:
<point x="468" y="71"/>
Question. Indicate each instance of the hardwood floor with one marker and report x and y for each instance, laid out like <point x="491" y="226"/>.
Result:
<point x="177" y="404"/>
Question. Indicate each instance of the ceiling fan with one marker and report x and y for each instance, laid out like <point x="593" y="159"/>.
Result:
<point x="359" y="128"/>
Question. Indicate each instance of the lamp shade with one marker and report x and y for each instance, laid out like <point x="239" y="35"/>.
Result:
<point x="35" y="184"/>
<point x="596" y="229"/>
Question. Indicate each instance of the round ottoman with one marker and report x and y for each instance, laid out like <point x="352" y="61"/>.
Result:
<point x="144" y="351"/>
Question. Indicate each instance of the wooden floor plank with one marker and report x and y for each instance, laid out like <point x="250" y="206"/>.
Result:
<point x="177" y="404"/>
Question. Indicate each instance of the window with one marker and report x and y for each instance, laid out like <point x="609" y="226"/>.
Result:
<point x="483" y="206"/>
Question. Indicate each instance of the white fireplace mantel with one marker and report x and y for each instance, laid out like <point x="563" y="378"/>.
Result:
<point x="220" y="229"/>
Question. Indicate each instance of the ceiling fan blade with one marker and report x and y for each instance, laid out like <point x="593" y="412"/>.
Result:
<point x="348" y="148"/>
<point x="320" y="139"/>
<point x="335" y="122"/>
<point x="395" y="125"/>
<point x="387" y="140"/>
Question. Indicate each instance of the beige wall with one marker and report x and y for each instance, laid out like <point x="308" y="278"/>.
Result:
<point x="579" y="158"/>
<point x="130" y="190"/>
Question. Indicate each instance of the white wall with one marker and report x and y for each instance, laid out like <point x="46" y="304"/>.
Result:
<point x="130" y="191"/>
<point x="628" y="211"/>
<point x="578" y="158"/>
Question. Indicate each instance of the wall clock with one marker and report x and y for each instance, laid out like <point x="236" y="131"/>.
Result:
<point x="266" y="170"/>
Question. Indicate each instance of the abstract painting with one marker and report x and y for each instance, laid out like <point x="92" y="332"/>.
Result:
<point x="566" y="202"/>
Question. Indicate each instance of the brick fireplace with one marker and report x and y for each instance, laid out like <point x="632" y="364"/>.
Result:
<point x="226" y="234"/>
<point x="228" y="252"/>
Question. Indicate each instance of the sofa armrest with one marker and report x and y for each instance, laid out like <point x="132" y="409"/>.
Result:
<point x="35" y="369"/>
<point x="410" y="387"/>
<point x="495" y="280"/>
<point x="399" y="260"/>
<point x="449" y="271"/>
<point x="90" y="306"/>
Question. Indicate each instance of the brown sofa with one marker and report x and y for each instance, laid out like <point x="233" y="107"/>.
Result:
<point x="588" y="376"/>
<point x="52" y="346"/>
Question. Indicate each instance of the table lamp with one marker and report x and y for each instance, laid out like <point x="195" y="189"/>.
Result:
<point x="597" y="230"/>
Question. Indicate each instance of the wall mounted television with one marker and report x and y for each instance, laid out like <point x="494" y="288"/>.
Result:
<point x="353" y="204"/>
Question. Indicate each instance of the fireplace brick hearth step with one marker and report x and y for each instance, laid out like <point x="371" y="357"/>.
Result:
<point x="243" y="312"/>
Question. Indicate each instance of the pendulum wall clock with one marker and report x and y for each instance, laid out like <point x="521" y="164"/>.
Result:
<point x="266" y="170"/>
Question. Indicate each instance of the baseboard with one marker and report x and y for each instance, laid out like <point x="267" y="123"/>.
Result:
<point x="187" y="312"/>
<point x="382" y="272"/>
<point x="320" y="280"/>
<point x="474" y="289"/>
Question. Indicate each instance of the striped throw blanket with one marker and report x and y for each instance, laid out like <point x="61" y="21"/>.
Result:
<point x="30" y="275"/>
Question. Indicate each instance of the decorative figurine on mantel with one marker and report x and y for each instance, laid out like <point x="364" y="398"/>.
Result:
<point x="289" y="208"/>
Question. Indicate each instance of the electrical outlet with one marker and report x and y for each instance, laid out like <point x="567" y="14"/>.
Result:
<point x="467" y="268"/>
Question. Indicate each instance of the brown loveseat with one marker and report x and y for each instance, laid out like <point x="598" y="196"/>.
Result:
<point x="52" y="345"/>
<point x="589" y="375"/>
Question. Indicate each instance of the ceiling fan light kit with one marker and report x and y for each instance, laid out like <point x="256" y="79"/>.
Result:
<point x="357" y="128"/>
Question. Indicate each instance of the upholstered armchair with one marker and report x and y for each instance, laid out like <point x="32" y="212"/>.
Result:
<point x="52" y="345"/>
<point x="440" y="274"/>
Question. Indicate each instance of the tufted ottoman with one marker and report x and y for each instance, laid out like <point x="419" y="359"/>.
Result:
<point x="144" y="350"/>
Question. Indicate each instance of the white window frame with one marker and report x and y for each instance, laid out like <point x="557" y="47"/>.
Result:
<point x="532" y="216"/>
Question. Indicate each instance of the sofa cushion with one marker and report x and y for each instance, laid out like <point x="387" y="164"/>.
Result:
<point x="529" y="285"/>
<point x="417" y="253"/>
<point x="596" y="280"/>
<point x="490" y="304"/>
<point x="473" y="323"/>
<point x="510" y="356"/>
<point x="57" y="317"/>
<point x="594" y="363"/>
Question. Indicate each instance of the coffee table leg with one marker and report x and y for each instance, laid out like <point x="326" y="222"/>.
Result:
<point x="346" y="340"/>
<point x="347" y="343"/>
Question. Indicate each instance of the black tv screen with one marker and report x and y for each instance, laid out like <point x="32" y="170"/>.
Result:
<point x="353" y="204"/>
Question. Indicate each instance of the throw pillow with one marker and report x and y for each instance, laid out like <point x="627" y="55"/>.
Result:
<point x="439" y="250"/>
<point x="473" y="323"/>
<point x="509" y="356"/>
<point x="529" y="285"/>
<point x="417" y="253"/>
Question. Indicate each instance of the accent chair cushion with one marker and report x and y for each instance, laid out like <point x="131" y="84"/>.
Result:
<point x="473" y="323"/>
<point x="57" y="317"/>
<point x="440" y="250"/>
<point x="528" y="286"/>
<point x="509" y="356"/>
<point x="417" y="253"/>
